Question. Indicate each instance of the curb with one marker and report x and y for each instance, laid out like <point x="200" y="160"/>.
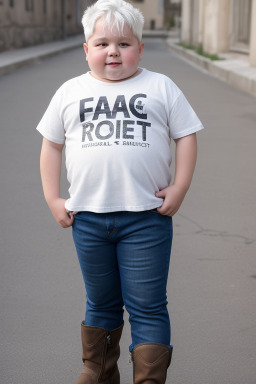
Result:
<point x="235" y="72"/>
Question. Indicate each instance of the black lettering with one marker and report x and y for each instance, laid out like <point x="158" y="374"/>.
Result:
<point x="132" y="106"/>
<point x="84" y="110"/>
<point x="118" y="125"/>
<point x="111" y="130"/>
<point x="126" y="129"/>
<point x="120" y="106"/>
<point x="144" y="126"/>
<point x="103" y="102"/>
<point x="87" y="129"/>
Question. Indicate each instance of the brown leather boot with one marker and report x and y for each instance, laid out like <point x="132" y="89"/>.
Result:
<point x="100" y="354"/>
<point x="150" y="363"/>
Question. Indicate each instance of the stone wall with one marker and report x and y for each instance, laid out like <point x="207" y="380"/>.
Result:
<point x="29" y="22"/>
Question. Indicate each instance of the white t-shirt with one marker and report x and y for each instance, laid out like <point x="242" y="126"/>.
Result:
<point x="117" y="138"/>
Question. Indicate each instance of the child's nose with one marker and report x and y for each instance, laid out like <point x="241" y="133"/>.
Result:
<point x="113" y="50"/>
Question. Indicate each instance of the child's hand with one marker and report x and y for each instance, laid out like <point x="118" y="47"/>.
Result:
<point x="186" y="151"/>
<point x="173" y="197"/>
<point x="64" y="219"/>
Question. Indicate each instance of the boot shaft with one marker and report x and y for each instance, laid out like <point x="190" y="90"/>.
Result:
<point x="150" y="363"/>
<point x="100" y="352"/>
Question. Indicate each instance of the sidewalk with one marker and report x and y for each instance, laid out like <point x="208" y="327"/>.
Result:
<point x="235" y="69"/>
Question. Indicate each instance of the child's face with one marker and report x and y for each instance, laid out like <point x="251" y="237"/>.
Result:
<point x="112" y="57"/>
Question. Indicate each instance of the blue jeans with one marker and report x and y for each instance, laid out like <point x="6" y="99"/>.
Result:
<point x="124" y="258"/>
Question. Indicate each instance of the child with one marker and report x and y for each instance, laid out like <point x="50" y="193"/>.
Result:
<point x="117" y="122"/>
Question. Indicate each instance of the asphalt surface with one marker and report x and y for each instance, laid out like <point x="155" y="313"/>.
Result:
<point x="212" y="282"/>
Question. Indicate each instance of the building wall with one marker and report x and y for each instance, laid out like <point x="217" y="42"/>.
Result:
<point x="253" y="36"/>
<point x="172" y="14"/>
<point x="153" y="11"/>
<point x="29" y="22"/>
<point x="220" y="25"/>
<point x="240" y="24"/>
<point x="186" y="22"/>
<point x="216" y="26"/>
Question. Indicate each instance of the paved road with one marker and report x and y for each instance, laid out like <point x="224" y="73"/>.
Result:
<point x="212" y="285"/>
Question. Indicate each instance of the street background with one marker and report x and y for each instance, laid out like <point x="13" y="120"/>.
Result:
<point x="212" y="281"/>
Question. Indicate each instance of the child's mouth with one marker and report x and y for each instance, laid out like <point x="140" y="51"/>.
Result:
<point x="113" y="64"/>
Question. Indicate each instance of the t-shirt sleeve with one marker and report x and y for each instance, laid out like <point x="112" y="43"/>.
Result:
<point x="183" y="120"/>
<point x="51" y="126"/>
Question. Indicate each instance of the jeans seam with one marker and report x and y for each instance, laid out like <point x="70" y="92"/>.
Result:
<point x="114" y="229"/>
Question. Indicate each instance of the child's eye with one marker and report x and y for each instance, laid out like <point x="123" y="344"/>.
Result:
<point x="102" y="45"/>
<point x="124" y="45"/>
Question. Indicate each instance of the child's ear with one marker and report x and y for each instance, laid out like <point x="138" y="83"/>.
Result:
<point x="141" y="48"/>
<point x="85" y="49"/>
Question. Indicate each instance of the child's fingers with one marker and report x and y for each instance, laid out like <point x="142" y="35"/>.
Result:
<point x="164" y="209"/>
<point x="161" y="194"/>
<point x="70" y="220"/>
<point x="67" y="221"/>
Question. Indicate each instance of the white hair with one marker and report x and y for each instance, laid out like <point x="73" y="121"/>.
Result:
<point x="115" y="14"/>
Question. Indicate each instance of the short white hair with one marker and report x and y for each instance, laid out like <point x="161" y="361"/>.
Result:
<point x="115" y="14"/>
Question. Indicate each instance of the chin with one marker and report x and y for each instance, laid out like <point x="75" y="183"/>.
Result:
<point x="117" y="78"/>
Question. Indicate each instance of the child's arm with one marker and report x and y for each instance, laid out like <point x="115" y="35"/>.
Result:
<point x="186" y="153"/>
<point x="50" y="165"/>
